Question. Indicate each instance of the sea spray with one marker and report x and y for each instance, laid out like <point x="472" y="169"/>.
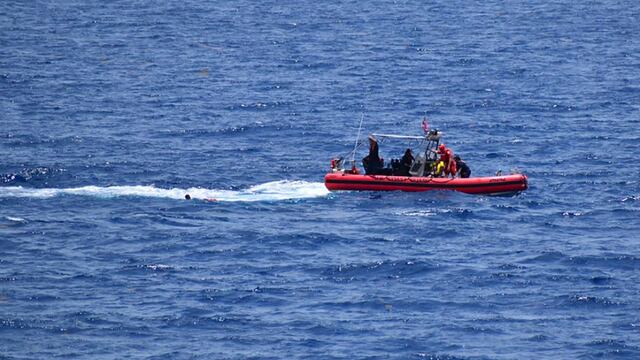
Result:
<point x="271" y="191"/>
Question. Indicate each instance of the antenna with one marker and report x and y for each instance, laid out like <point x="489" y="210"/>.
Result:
<point x="353" y="155"/>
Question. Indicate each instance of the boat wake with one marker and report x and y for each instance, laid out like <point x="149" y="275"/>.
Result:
<point x="271" y="191"/>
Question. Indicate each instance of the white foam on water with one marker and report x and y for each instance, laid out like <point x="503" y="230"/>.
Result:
<point x="420" y="213"/>
<point x="271" y="191"/>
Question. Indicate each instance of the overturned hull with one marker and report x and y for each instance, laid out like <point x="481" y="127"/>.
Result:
<point x="489" y="185"/>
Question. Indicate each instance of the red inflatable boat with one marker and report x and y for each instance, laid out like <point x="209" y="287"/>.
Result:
<point x="490" y="185"/>
<point x="418" y="174"/>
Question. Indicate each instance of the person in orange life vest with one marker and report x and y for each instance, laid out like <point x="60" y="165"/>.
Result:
<point x="446" y="155"/>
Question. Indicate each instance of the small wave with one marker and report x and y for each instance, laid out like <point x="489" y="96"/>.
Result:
<point x="156" y="267"/>
<point x="573" y="213"/>
<point x="547" y="257"/>
<point x="601" y="280"/>
<point x="271" y="191"/>
<point x="538" y="338"/>
<point x="438" y="356"/>
<point x="434" y="212"/>
<point x="383" y="269"/>
<point x="26" y="175"/>
<point x="420" y="213"/>
<point x="593" y="300"/>
<point x="259" y="106"/>
<point x="604" y="261"/>
<point x="208" y="132"/>
<point x="612" y="343"/>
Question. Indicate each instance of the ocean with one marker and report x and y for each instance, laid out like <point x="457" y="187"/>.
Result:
<point x="111" y="112"/>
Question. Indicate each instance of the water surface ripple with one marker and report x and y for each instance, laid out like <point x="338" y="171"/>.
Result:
<point x="112" y="111"/>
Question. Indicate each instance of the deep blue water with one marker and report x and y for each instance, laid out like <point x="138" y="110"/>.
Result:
<point x="111" y="111"/>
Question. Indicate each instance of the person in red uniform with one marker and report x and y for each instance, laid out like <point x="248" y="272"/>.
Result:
<point x="446" y="155"/>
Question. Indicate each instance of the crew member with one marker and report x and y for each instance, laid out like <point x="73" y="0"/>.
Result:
<point x="406" y="162"/>
<point x="462" y="166"/>
<point x="372" y="163"/>
<point x="446" y="156"/>
<point x="438" y="168"/>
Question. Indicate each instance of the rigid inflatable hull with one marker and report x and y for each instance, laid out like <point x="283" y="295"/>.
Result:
<point x="476" y="185"/>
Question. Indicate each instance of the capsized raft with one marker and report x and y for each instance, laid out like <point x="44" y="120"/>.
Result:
<point x="490" y="185"/>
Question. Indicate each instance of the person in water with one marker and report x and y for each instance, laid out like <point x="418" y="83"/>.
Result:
<point x="446" y="156"/>
<point x="372" y="163"/>
<point x="462" y="167"/>
<point x="188" y="197"/>
<point x="405" y="163"/>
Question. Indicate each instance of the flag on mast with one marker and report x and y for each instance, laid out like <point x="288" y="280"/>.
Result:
<point x="425" y="126"/>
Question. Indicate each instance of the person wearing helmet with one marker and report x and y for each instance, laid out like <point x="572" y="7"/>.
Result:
<point x="446" y="156"/>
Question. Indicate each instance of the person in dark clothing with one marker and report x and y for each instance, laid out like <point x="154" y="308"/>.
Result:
<point x="463" y="168"/>
<point x="405" y="163"/>
<point x="372" y="163"/>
